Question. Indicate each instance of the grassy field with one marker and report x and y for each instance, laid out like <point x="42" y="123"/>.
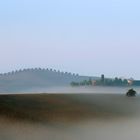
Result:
<point x="67" y="107"/>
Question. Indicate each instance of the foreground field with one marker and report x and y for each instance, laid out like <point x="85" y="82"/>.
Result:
<point x="69" y="116"/>
<point x="65" y="107"/>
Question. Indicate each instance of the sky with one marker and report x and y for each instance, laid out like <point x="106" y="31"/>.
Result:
<point x="89" y="37"/>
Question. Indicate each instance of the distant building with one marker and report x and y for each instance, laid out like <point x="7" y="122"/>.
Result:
<point x="94" y="82"/>
<point x="130" y="82"/>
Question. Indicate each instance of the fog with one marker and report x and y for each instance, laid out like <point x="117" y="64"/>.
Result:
<point x="81" y="90"/>
<point x="123" y="129"/>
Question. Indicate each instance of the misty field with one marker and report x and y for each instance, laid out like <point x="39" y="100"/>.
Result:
<point x="69" y="116"/>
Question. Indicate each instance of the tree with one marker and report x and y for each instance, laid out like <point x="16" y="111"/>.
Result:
<point x="74" y="84"/>
<point x="90" y="81"/>
<point x="131" y="93"/>
<point x="102" y="78"/>
<point x="125" y="82"/>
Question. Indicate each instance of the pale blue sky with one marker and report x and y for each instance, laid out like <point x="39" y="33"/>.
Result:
<point x="89" y="37"/>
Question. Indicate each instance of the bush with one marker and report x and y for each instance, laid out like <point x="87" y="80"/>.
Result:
<point x="131" y="93"/>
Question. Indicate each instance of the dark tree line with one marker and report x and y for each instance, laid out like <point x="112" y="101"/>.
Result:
<point x="112" y="82"/>
<point x="38" y="70"/>
<point x="82" y="83"/>
<point x="102" y="82"/>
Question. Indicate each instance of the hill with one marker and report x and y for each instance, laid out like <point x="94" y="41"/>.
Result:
<point x="28" y="79"/>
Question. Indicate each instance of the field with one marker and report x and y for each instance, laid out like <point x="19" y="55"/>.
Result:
<point x="65" y="107"/>
<point x="68" y="116"/>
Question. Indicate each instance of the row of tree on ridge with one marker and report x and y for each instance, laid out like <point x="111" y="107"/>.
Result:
<point x="37" y="70"/>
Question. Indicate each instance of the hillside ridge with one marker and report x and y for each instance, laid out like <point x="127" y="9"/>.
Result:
<point x="35" y="78"/>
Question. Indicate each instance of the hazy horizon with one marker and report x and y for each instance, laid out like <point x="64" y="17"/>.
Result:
<point x="85" y="37"/>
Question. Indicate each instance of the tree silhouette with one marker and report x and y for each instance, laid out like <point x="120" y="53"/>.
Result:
<point x="131" y="93"/>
